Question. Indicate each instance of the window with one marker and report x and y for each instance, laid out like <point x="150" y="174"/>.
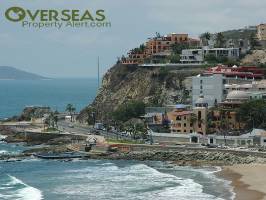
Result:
<point x="201" y="81"/>
<point x="191" y="131"/>
<point x="178" y="118"/>
<point x="185" y="125"/>
<point x="199" y="115"/>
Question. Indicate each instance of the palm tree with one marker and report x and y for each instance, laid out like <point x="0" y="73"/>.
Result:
<point x="205" y="37"/>
<point x="220" y="40"/>
<point x="70" y="109"/>
<point x="193" y="119"/>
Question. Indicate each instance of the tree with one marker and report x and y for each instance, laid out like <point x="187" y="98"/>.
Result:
<point x="174" y="58"/>
<point x="70" y="109"/>
<point x="205" y="37"/>
<point x="91" y="119"/>
<point x="193" y="120"/>
<point x="253" y="113"/>
<point x="220" y="40"/>
<point x="51" y="121"/>
<point x="253" y="41"/>
<point x="129" y="110"/>
<point x="177" y="48"/>
<point x="158" y="35"/>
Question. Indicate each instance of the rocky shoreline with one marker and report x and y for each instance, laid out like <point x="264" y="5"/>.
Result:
<point x="58" y="143"/>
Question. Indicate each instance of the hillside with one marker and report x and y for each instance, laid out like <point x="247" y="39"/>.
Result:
<point x="16" y="74"/>
<point x="256" y="57"/>
<point x="153" y="85"/>
<point x="238" y="34"/>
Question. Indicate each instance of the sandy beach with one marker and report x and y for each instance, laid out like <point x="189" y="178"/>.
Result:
<point x="249" y="181"/>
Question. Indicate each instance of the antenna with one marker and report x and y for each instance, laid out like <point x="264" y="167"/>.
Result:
<point x="98" y="72"/>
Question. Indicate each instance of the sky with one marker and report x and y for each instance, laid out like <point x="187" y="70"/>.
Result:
<point x="73" y="52"/>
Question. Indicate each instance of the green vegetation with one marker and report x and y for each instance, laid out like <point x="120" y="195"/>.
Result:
<point x="129" y="110"/>
<point x="163" y="72"/>
<point x="253" y="113"/>
<point x="220" y="40"/>
<point x="70" y="109"/>
<point x="212" y="59"/>
<point x="136" y="130"/>
<point x="177" y="48"/>
<point x="238" y="34"/>
<point x="50" y="130"/>
<point x="123" y="141"/>
<point x="51" y="122"/>
<point x="139" y="50"/>
<point x="205" y="37"/>
<point x="91" y="119"/>
<point x="174" y="58"/>
<point x="253" y="41"/>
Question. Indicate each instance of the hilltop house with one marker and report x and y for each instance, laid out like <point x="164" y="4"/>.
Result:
<point x="159" y="48"/>
<point x="198" y="55"/>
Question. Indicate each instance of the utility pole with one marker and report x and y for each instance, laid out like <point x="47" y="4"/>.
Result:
<point x="98" y="72"/>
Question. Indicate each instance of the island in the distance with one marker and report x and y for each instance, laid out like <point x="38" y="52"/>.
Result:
<point x="12" y="73"/>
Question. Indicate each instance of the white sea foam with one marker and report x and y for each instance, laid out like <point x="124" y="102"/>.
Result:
<point x="3" y="152"/>
<point x="2" y="137"/>
<point x="25" y="192"/>
<point x="138" y="181"/>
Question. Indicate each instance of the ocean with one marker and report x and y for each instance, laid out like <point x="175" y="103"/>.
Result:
<point x="56" y="93"/>
<point x="35" y="179"/>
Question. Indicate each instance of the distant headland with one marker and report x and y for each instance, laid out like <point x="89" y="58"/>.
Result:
<point x="12" y="73"/>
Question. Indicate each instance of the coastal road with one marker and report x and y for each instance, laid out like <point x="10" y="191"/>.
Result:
<point x="74" y="128"/>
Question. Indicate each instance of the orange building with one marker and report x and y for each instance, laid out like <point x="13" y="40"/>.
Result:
<point x="188" y="121"/>
<point x="159" y="45"/>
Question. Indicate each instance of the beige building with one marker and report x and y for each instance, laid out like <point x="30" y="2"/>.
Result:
<point x="261" y="32"/>
<point x="189" y="121"/>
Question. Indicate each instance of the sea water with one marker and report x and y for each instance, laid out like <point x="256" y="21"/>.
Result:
<point x="35" y="179"/>
<point x="56" y="93"/>
<point x="104" y="180"/>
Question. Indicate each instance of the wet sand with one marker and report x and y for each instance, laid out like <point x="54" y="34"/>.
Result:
<point x="249" y="181"/>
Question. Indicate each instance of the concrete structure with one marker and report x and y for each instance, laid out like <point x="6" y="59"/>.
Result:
<point x="198" y="55"/>
<point x="235" y="72"/>
<point x="210" y="87"/>
<point x="261" y="31"/>
<point x="232" y="53"/>
<point x="158" y="48"/>
<point x="242" y="44"/>
<point x="192" y="56"/>
<point x="257" y="137"/>
<point x="185" y="121"/>
<point x="255" y="86"/>
<point x="171" y="138"/>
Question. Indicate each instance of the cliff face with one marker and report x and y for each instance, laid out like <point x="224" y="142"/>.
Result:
<point x="153" y="85"/>
<point x="255" y="58"/>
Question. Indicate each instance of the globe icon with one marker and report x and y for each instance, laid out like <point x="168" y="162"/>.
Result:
<point x="15" y="14"/>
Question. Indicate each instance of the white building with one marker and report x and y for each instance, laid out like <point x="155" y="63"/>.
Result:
<point x="232" y="53"/>
<point x="209" y="87"/>
<point x="192" y="56"/>
<point x="198" y="55"/>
